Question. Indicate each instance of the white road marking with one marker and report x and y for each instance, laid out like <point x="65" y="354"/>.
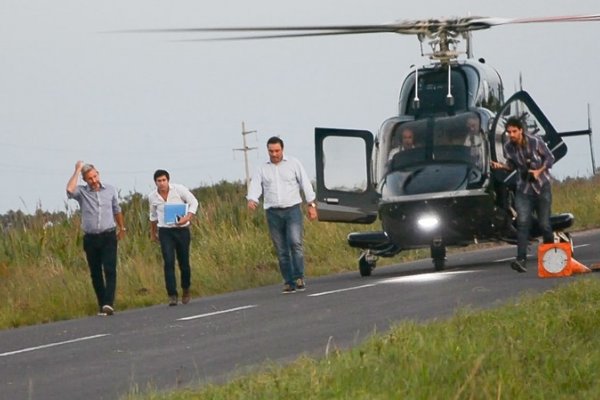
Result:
<point x="581" y="245"/>
<point x="45" y="346"/>
<point x="435" y="276"/>
<point x="341" y="290"/>
<point x="430" y="277"/>
<point x="216" y="313"/>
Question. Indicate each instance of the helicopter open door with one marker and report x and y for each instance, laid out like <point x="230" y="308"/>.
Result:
<point x="345" y="188"/>
<point x="521" y="105"/>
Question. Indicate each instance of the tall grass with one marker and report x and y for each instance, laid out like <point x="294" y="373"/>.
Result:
<point x="44" y="276"/>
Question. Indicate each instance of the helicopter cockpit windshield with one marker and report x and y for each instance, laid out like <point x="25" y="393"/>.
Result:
<point x="415" y="151"/>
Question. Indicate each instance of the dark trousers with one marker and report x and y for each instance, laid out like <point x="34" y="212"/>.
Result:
<point x="101" y="253"/>
<point x="527" y="203"/>
<point x="175" y="242"/>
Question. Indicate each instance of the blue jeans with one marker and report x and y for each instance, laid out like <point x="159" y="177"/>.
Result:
<point x="286" y="226"/>
<point x="525" y="205"/>
<point x="175" y="241"/>
<point x="101" y="253"/>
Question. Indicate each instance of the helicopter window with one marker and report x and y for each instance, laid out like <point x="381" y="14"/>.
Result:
<point x="456" y="139"/>
<point x="346" y="171"/>
<point x="405" y="144"/>
<point x="433" y="91"/>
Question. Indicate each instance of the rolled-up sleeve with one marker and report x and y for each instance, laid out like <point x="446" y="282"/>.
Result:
<point x="115" y="203"/>
<point x="188" y="197"/>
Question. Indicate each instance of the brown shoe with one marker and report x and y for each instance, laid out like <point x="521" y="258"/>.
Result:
<point x="185" y="298"/>
<point x="300" y="285"/>
<point x="172" y="301"/>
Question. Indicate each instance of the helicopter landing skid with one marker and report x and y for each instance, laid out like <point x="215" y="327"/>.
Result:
<point x="366" y="263"/>
<point x="438" y="254"/>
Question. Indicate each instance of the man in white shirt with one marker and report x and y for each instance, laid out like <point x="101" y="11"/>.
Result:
<point x="173" y="235"/>
<point x="279" y="181"/>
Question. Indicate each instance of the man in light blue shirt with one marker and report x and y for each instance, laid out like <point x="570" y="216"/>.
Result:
<point x="102" y="224"/>
<point x="279" y="181"/>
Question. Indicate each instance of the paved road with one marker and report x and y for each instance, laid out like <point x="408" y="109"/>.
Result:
<point x="211" y="338"/>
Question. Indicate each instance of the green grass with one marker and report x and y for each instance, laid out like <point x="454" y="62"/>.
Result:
<point x="42" y="269"/>
<point x="541" y="347"/>
<point x="538" y="347"/>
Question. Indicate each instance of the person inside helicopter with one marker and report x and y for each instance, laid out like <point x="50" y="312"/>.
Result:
<point x="427" y="145"/>
<point x="402" y="140"/>
<point x="474" y="139"/>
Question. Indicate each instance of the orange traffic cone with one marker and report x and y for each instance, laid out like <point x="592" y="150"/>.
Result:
<point x="578" y="268"/>
<point x="555" y="259"/>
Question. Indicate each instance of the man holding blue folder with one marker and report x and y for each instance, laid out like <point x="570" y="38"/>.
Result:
<point x="172" y="207"/>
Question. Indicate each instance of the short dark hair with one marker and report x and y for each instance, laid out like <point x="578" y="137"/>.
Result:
<point x="514" y="121"/>
<point x="275" y="139"/>
<point x="161" y="172"/>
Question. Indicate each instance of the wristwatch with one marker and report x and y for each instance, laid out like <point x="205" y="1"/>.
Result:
<point x="312" y="204"/>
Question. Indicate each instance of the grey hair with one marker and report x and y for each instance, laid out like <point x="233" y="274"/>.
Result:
<point x="86" y="168"/>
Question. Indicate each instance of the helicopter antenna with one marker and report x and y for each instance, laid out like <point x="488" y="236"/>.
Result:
<point x="416" y="101"/>
<point x="449" y="97"/>
<point x="520" y="80"/>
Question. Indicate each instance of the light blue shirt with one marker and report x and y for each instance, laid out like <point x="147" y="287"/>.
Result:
<point x="98" y="209"/>
<point x="178" y="194"/>
<point x="280" y="184"/>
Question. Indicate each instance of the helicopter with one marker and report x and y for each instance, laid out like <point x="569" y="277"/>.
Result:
<point x="426" y="175"/>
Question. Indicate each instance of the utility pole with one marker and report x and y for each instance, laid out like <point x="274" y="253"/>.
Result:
<point x="246" y="149"/>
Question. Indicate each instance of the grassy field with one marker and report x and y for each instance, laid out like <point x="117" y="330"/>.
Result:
<point x="44" y="276"/>
<point x="538" y="347"/>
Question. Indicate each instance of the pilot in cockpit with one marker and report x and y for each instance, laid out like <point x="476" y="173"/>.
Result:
<point x="406" y="141"/>
<point x="473" y="132"/>
<point x="474" y="139"/>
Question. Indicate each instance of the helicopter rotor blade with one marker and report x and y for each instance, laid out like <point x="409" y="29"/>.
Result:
<point x="427" y="27"/>
<point x="407" y="27"/>
<point x="488" y="22"/>
<point x="282" y="35"/>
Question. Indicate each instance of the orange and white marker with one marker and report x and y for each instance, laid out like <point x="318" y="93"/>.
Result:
<point x="555" y="260"/>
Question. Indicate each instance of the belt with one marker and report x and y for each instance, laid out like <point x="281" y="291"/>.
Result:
<point x="166" y="228"/>
<point x="106" y="232"/>
<point x="282" y="208"/>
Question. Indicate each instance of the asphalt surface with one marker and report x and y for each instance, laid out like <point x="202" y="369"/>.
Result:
<point x="214" y="338"/>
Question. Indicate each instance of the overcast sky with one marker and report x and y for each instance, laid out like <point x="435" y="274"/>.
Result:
<point x="132" y="103"/>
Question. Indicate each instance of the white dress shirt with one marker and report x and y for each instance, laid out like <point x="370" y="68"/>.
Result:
<point x="280" y="184"/>
<point x="178" y="194"/>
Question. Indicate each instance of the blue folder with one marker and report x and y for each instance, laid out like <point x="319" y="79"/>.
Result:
<point x="173" y="211"/>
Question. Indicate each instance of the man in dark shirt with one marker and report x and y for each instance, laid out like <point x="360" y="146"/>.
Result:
<point x="102" y="224"/>
<point x="531" y="158"/>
